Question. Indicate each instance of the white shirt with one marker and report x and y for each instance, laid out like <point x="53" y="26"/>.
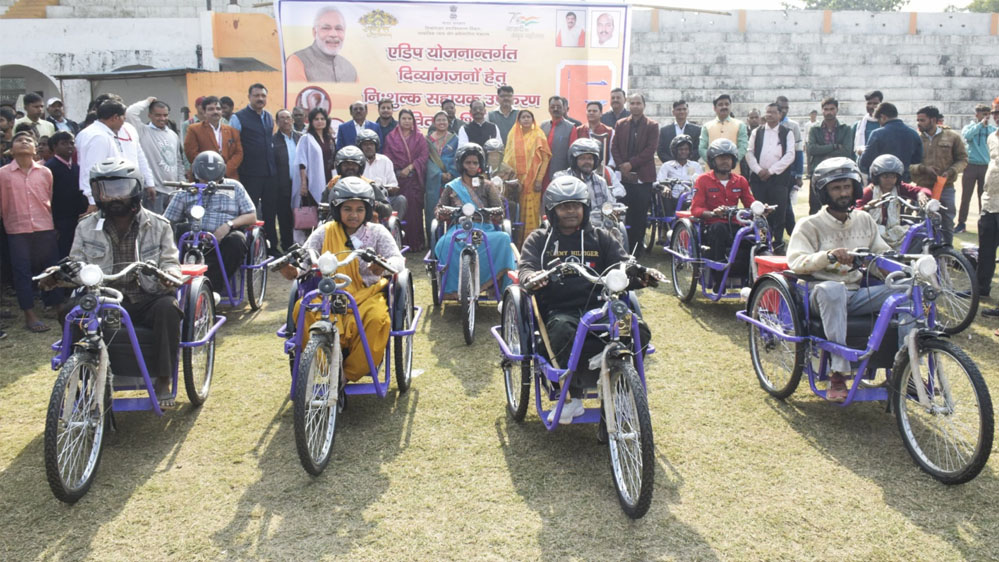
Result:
<point x="463" y="134"/>
<point x="685" y="173"/>
<point x="771" y="157"/>
<point x="218" y="134"/>
<point x="381" y="170"/>
<point x="98" y="142"/>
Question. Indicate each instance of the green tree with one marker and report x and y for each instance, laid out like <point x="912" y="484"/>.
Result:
<point x="861" y="5"/>
<point x="986" y="6"/>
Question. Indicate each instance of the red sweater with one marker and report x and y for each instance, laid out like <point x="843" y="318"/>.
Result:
<point x="709" y="194"/>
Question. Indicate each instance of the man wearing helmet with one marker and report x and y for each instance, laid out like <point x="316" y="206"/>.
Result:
<point x="473" y="187"/>
<point x="886" y="179"/>
<point x="583" y="157"/>
<point x="118" y="234"/>
<point x="682" y="167"/>
<point x="570" y="238"/>
<point x="226" y="211"/>
<point x="713" y="192"/>
<point x="379" y="169"/>
<point x="820" y="246"/>
<point x="348" y="163"/>
<point x="352" y="200"/>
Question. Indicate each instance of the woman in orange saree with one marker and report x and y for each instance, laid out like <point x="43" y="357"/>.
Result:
<point x="528" y="154"/>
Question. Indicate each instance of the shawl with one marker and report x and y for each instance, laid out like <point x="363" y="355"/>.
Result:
<point x="406" y="151"/>
<point x="527" y="153"/>
<point x="450" y="145"/>
<point x="310" y="154"/>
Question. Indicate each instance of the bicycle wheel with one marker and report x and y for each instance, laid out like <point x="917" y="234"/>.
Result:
<point x="516" y="380"/>
<point x="466" y="294"/>
<point x="435" y="286"/>
<point x="685" y="271"/>
<point x="631" y="446"/>
<point x="777" y="361"/>
<point x="257" y="278"/>
<point x="74" y="428"/>
<point x="199" y="362"/>
<point x="651" y="231"/>
<point x="957" y="303"/>
<point x="395" y="229"/>
<point x="403" y="345"/>
<point x="951" y="438"/>
<point x="317" y="392"/>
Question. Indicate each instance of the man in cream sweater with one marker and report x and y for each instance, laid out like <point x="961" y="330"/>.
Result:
<point x="820" y="246"/>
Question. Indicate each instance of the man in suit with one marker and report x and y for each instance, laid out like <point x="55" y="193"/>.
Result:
<point x="58" y="118"/>
<point x="680" y="127"/>
<point x="278" y="200"/>
<point x="346" y="134"/>
<point x="634" y="150"/>
<point x="212" y="134"/>
<point x="256" y="129"/>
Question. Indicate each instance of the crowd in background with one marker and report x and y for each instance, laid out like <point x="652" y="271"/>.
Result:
<point x="286" y="160"/>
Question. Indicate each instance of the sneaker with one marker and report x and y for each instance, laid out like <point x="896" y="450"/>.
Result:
<point x="573" y="408"/>
<point x="990" y="312"/>
<point x="837" y="391"/>
<point x="961" y="227"/>
<point x="3" y="334"/>
<point x="218" y="298"/>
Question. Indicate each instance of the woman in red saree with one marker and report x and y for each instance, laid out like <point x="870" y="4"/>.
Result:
<point x="407" y="149"/>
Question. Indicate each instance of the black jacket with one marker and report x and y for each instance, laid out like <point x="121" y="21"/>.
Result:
<point x="280" y="151"/>
<point x="666" y="135"/>
<point x="74" y="127"/>
<point x="600" y="250"/>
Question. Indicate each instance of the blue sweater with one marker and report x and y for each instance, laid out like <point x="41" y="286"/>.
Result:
<point x="895" y="138"/>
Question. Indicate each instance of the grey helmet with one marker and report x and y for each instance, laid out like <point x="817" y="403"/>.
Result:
<point x="564" y="189"/>
<point x="581" y="147"/>
<point x="720" y="147"/>
<point x="116" y="179"/>
<point x="209" y="166"/>
<point x="367" y="135"/>
<point x="887" y="164"/>
<point x="683" y="139"/>
<point x="466" y="149"/>
<point x="834" y="169"/>
<point x="493" y="145"/>
<point x="352" y="189"/>
<point x="349" y="153"/>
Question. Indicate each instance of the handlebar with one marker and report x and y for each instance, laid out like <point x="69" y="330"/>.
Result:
<point x="482" y="212"/>
<point x="194" y="188"/>
<point x="630" y="268"/>
<point x="299" y="256"/>
<point x="70" y="271"/>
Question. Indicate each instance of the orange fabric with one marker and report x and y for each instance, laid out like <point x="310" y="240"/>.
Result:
<point x="295" y="69"/>
<point x="528" y="154"/>
<point x="200" y="137"/>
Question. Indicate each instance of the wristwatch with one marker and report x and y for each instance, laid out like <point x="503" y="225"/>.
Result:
<point x="832" y="259"/>
<point x="230" y="225"/>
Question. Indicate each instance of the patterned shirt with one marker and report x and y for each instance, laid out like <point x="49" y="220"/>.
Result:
<point x="220" y="207"/>
<point x="125" y="249"/>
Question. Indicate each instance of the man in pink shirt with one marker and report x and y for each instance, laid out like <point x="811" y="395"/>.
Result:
<point x="26" y="209"/>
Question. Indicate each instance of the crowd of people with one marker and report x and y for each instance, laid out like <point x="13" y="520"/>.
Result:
<point x="289" y="162"/>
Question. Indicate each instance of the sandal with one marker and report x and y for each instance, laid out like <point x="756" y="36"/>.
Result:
<point x="837" y="391"/>
<point x="37" y="327"/>
<point x="165" y="397"/>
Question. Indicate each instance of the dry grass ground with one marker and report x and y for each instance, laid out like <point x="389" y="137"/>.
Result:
<point x="441" y="472"/>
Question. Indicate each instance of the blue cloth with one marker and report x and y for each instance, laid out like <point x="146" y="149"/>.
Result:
<point x="498" y="242"/>
<point x="895" y="138"/>
<point x="976" y="136"/>
<point x="434" y="183"/>
<point x="346" y="133"/>
<point x="255" y="135"/>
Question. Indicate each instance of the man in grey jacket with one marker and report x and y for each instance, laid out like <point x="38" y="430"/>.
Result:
<point x="162" y="149"/>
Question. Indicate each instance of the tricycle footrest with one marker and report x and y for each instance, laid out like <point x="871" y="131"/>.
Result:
<point x="590" y="415"/>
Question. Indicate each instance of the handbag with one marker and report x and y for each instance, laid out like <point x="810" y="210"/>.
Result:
<point x="306" y="215"/>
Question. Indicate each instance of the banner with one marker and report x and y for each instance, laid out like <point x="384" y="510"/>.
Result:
<point x="418" y="54"/>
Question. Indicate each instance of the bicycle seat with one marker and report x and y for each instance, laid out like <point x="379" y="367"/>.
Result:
<point x="683" y="215"/>
<point x="770" y="264"/>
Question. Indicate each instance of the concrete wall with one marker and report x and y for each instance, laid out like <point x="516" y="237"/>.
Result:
<point x="948" y="60"/>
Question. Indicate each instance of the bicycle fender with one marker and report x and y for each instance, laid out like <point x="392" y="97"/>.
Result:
<point x="322" y="327"/>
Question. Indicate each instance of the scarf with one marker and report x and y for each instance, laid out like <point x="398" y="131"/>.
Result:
<point x="526" y="153"/>
<point x="335" y="240"/>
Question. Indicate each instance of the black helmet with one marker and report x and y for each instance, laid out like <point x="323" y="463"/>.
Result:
<point x="564" y="189"/>
<point x="834" y="169"/>
<point x="208" y="166"/>
<point x="720" y="147"/>
<point x="581" y="147"/>
<point x="350" y="189"/>
<point x="493" y="145"/>
<point x="682" y="139"/>
<point x="887" y="164"/>
<point x="466" y="149"/>
<point x="116" y="180"/>
<point x="367" y="135"/>
<point x="349" y="154"/>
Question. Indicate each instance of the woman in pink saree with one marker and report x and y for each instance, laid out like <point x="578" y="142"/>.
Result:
<point x="407" y="149"/>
